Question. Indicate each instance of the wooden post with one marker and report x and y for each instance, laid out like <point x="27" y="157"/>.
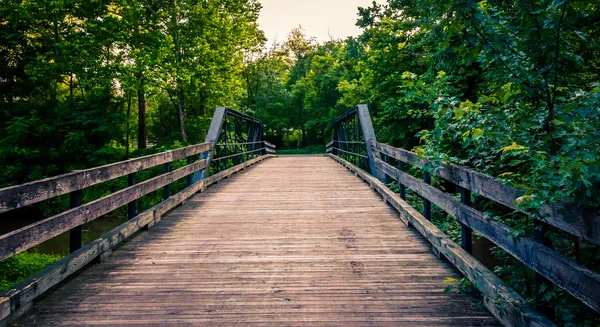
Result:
<point x="131" y="206"/>
<point x="466" y="233"/>
<point x="166" y="190"/>
<point x="541" y="229"/>
<point x="75" y="240"/>
<point x="427" y="203"/>
<point x="402" y="187"/>
<point x="188" y="178"/>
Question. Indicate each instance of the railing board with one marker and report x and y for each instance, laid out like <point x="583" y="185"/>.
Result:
<point x="352" y="153"/>
<point x="21" y="195"/>
<point x="579" y="281"/>
<point x="579" y="221"/>
<point x="503" y="302"/>
<point x="34" y="234"/>
<point x="241" y="143"/>
<point x="237" y="154"/>
<point x="270" y="145"/>
<point x="28" y="290"/>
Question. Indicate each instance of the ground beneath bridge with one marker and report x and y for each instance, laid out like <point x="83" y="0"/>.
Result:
<point x="296" y="241"/>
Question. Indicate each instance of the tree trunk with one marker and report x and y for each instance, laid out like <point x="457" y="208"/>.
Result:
<point x="141" y="119"/>
<point x="181" y="109"/>
<point x="127" y="132"/>
<point x="11" y="105"/>
<point x="180" y="97"/>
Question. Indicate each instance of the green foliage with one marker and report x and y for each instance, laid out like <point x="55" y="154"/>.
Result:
<point x="311" y="149"/>
<point x="18" y="267"/>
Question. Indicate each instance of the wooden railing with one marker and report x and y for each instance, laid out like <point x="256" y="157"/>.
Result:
<point x="18" y="300"/>
<point x="504" y="303"/>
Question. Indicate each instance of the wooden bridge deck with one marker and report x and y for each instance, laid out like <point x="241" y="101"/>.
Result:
<point x="292" y="241"/>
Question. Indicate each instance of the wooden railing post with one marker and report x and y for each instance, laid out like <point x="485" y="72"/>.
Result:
<point x="402" y="187"/>
<point x="427" y="203"/>
<point x="75" y="239"/>
<point x="131" y="206"/>
<point x="466" y="233"/>
<point x="541" y="229"/>
<point x="188" y="178"/>
<point x="166" y="189"/>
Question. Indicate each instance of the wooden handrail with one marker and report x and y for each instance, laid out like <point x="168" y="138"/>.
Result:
<point x="579" y="221"/>
<point x="36" y="233"/>
<point x="14" y="197"/>
<point x="576" y="279"/>
<point x="502" y="301"/>
<point x="31" y="288"/>
<point x="270" y="145"/>
<point x="238" y="154"/>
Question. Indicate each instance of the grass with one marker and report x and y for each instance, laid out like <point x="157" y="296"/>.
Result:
<point x="18" y="267"/>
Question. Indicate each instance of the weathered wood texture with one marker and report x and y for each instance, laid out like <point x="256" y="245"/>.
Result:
<point x="502" y="301"/>
<point x="21" y="195"/>
<point x="34" y="234"/>
<point x="579" y="221"/>
<point x="576" y="279"/>
<point x="18" y="300"/>
<point x="291" y="242"/>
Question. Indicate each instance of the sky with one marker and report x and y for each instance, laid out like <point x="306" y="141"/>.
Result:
<point x="318" y="18"/>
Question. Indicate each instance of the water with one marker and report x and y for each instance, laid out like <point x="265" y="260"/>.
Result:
<point x="89" y="232"/>
<point x="19" y="218"/>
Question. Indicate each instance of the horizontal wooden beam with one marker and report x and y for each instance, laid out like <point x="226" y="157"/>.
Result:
<point x="34" y="234"/>
<point x="21" y="195"/>
<point x="579" y="221"/>
<point x="270" y="145"/>
<point x="352" y="153"/>
<point x="328" y="145"/>
<point x="502" y="301"/>
<point x="240" y="143"/>
<point x="16" y="301"/>
<point x="574" y="278"/>
<point x="237" y="154"/>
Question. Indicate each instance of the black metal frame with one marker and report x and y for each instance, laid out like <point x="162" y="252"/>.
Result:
<point x="352" y="136"/>
<point x="235" y="138"/>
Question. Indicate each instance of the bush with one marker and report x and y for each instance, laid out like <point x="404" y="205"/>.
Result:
<point x="15" y="269"/>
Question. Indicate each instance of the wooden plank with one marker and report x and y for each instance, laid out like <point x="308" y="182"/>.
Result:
<point x="4" y="307"/>
<point x="576" y="279"/>
<point x="580" y="221"/>
<point x="21" y="195"/>
<point x="506" y="305"/>
<point x="31" y="288"/>
<point x="34" y="234"/>
<point x="270" y="145"/>
<point x="280" y="256"/>
<point x="330" y="144"/>
<point x="351" y="153"/>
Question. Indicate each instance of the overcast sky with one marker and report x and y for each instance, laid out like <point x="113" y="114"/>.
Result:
<point x="317" y="17"/>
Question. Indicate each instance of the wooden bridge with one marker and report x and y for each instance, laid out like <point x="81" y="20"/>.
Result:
<point x="258" y="240"/>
